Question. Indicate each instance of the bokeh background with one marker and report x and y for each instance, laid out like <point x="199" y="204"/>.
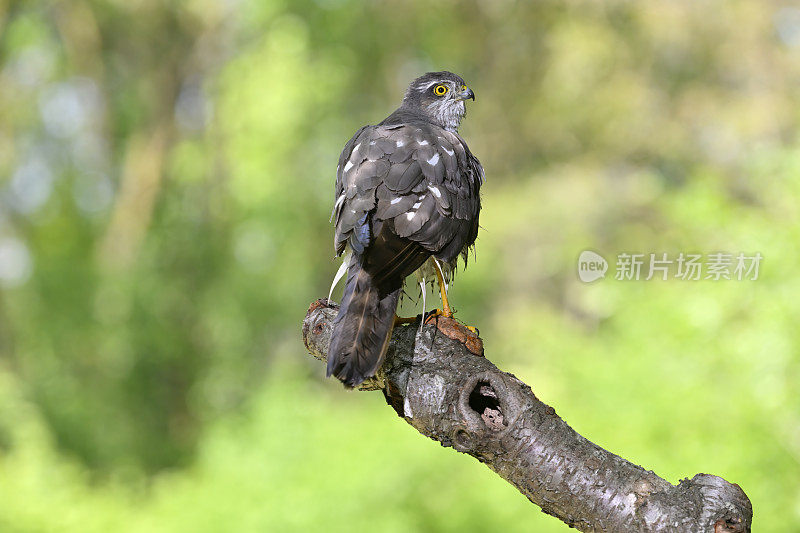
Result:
<point x="166" y="177"/>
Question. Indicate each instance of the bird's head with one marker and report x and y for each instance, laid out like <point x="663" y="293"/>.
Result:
<point x="440" y="97"/>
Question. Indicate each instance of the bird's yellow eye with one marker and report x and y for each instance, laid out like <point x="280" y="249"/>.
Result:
<point x="440" y="90"/>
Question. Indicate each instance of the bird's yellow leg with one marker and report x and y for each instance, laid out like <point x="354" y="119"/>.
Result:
<point x="446" y="311"/>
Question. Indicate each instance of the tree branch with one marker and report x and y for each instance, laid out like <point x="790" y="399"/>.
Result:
<point x="462" y="400"/>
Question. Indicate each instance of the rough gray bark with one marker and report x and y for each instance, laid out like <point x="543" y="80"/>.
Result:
<point x="463" y="401"/>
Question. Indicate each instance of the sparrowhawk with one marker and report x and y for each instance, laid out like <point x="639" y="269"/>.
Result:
<point x="407" y="199"/>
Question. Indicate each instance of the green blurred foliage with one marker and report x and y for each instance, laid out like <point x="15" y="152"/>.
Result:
<point x="166" y="175"/>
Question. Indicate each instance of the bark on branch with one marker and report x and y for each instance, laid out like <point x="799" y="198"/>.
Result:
<point x="463" y="401"/>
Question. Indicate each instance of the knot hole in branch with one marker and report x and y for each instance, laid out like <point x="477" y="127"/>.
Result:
<point x="484" y="400"/>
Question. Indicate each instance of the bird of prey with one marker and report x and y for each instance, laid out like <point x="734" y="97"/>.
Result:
<point x="407" y="200"/>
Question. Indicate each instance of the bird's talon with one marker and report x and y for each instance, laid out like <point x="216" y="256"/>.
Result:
<point x="452" y="328"/>
<point x="432" y="315"/>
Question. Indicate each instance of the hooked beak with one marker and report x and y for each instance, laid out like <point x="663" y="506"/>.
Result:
<point x="466" y="94"/>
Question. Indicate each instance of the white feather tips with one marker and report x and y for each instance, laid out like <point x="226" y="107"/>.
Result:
<point x="337" y="205"/>
<point x="339" y="274"/>
<point x="422" y="288"/>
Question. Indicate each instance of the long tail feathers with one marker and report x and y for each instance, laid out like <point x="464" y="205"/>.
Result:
<point x="362" y="329"/>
